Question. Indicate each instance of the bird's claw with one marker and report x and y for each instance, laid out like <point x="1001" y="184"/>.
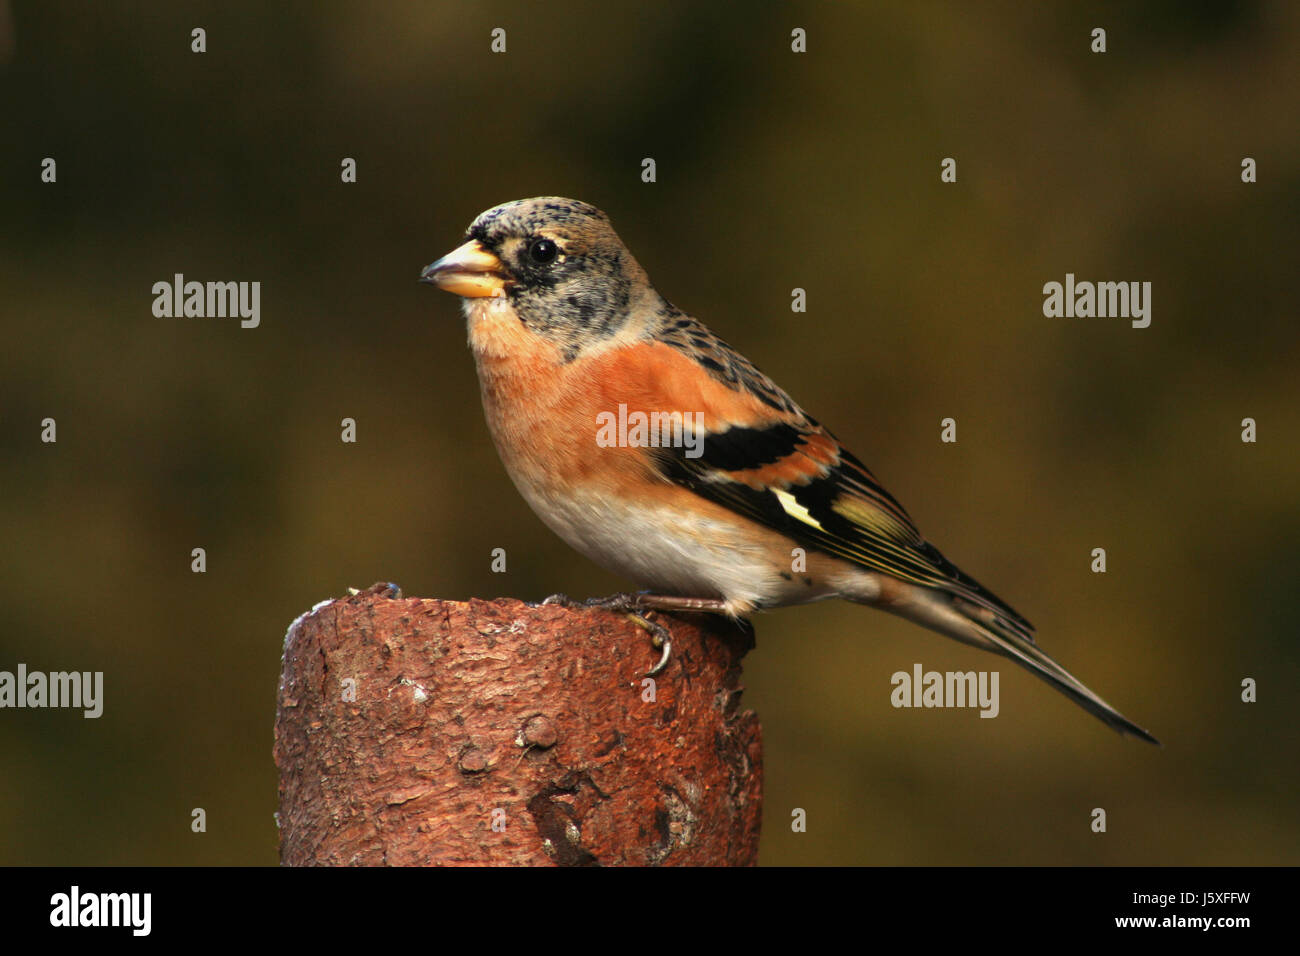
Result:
<point x="659" y="637"/>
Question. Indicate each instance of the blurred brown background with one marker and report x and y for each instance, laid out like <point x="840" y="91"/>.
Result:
<point x="775" y="170"/>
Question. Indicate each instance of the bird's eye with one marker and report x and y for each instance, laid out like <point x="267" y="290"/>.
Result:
<point x="543" y="251"/>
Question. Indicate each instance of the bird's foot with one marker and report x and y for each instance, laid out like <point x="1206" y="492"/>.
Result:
<point x="622" y="601"/>
<point x="632" y="608"/>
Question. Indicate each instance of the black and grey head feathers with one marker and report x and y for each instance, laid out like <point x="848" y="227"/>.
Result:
<point x="569" y="274"/>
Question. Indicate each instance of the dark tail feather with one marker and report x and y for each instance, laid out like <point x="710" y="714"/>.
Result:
<point x="1008" y="642"/>
<point x="988" y="627"/>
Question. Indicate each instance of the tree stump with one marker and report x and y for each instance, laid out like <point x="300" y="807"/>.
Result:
<point x="419" y="732"/>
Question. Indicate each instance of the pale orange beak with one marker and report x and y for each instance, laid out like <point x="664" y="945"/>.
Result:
<point x="471" y="271"/>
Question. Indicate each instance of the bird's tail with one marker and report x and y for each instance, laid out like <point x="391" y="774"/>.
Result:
<point x="989" y="627"/>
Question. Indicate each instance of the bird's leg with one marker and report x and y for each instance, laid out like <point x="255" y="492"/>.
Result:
<point x="634" y="607"/>
<point x="672" y="602"/>
<point x="643" y="601"/>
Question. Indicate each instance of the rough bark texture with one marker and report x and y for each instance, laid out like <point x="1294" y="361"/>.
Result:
<point x="497" y="732"/>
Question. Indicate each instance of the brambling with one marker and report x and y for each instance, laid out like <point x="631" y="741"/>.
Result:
<point x="654" y="448"/>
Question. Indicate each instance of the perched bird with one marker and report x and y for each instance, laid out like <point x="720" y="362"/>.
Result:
<point x="706" y="504"/>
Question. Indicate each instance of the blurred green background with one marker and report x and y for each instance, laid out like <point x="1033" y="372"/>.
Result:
<point x="775" y="170"/>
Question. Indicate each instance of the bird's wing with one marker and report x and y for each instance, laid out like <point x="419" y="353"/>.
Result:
<point x="799" y="480"/>
<point x="779" y="467"/>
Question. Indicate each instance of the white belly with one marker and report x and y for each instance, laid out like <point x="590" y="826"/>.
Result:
<point x="669" y="553"/>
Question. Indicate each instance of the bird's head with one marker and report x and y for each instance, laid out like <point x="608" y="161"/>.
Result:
<point x="557" y="262"/>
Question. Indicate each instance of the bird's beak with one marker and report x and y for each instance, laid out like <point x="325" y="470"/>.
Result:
<point x="471" y="271"/>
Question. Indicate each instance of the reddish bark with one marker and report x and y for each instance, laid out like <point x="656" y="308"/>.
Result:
<point x="536" y="712"/>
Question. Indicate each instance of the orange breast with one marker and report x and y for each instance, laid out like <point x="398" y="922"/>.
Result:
<point x="545" y="414"/>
